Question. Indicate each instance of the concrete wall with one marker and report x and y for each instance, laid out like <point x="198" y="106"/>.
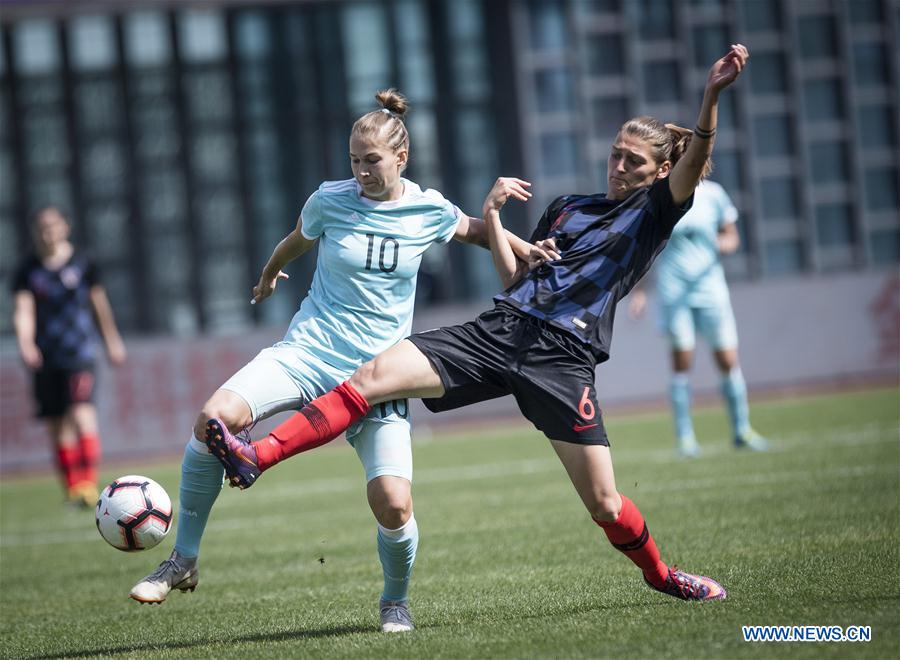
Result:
<point x="793" y="332"/>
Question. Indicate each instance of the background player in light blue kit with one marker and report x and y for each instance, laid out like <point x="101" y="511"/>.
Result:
<point x="693" y="297"/>
<point x="372" y="231"/>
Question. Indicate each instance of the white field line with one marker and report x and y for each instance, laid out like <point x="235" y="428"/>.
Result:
<point x="871" y="434"/>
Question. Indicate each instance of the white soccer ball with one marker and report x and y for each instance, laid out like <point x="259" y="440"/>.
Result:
<point x="134" y="513"/>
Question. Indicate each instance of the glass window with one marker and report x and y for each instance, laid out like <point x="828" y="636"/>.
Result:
<point x="92" y="43"/>
<point x="604" y="55"/>
<point x="103" y="168"/>
<point x="773" y="135"/>
<point x="885" y="246"/>
<point x="554" y="91"/>
<point x="46" y="140"/>
<point x="782" y="257"/>
<point x="823" y="100"/>
<point x="778" y="197"/>
<point x="609" y="115"/>
<point x="656" y="18"/>
<point x="213" y="156"/>
<point x="368" y="67"/>
<point x="163" y="198"/>
<point x="727" y="169"/>
<point x="98" y="105"/>
<point x="767" y="75"/>
<point x="865" y="11"/>
<point x="252" y="35"/>
<point x="559" y="154"/>
<point x="201" y="35"/>
<point x="44" y="190"/>
<point x="147" y="39"/>
<point x="876" y="126"/>
<point x="870" y="64"/>
<point x="710" y="43"/>
<point x="415" y="50"/>
<point x="881" y="189"/>
<point x="208" y="95"/>
<point x="817" y="36"/>
<point x="220" y="217"/>
<point x="834" y="225"/>
<point x="547" y="22"/>
<point x="109" y="231"/>
<point x="36" y="47"/>
<point x="600" y="6"/>
<point x="661" y="82"/>
<point x="761" y="15"/>
<point x="828" y="162"/>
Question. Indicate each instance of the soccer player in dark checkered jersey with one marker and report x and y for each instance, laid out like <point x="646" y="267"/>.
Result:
<point x="548" y="330"/>
<point x="59" y="304"/>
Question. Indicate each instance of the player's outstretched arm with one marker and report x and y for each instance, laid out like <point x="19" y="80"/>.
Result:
<point x="291" y="246"/>
<point x="508" y="266"/>
<point x="687" y="171"/>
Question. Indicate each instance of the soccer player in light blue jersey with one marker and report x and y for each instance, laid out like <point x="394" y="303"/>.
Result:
<point x="693" y="297"/>
<point x="371" y="231"/>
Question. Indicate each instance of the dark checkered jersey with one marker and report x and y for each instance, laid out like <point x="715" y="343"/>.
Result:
<point x="65" y="330"/>
<point x="605" y="247"/>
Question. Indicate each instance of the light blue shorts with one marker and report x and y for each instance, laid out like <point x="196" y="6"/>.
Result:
<point x="681" y="323"/>
<point x="287" y="377"/>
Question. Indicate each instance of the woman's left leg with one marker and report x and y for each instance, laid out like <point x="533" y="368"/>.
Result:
<point x="384" y="448"/>
<point x="591" y="471"/>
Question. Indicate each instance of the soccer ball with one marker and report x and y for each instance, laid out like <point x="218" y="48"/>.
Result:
<point x="133" y="513"/>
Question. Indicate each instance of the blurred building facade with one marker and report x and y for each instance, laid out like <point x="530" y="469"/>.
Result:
<point x="183" y="138"/>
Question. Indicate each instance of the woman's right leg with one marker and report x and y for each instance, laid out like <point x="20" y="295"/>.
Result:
<point x="261" y="388"/>
<point x="201" y="482"/>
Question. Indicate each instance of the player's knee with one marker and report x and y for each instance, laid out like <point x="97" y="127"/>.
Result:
<point x="392" y="509"/>
<point x="607" y="508"/>
<point x="223" y="413"/>
<point x="364" y="378"/>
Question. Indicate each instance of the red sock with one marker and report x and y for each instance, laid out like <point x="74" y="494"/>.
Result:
<point x="629" y="535"/>
<point x="89" y="454"/>
<point x="320" y="422"/>
<point x="68" y="461"/>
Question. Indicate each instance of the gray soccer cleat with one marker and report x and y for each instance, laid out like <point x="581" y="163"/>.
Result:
<point x="176" y="572"/>
<point x="395" y="616"/>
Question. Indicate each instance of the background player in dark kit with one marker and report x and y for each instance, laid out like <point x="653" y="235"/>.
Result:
<point x="59" y="304"/>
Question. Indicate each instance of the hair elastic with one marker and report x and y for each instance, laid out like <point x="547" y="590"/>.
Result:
<point x="703" y="134"/>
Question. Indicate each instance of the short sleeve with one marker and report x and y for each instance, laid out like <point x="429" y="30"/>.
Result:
<point x="663" y="207"/>
<point x="92" y="273"/>
<point x="543" y="226"/>
<point x="311" y="215"/>
<point x="450" y="217"/>
<point x="20" y="279"/>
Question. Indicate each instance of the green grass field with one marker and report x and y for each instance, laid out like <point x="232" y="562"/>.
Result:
<point x="509" y="563"/>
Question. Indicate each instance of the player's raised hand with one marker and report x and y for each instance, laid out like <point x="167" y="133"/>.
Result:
<point x="726" y="70"/>
<point x="504" y="188"/>
<point x="266" y="286"/>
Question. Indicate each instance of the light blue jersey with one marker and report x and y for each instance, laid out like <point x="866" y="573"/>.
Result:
<point x="688" y="272"/>
<point x="362" y="294"/>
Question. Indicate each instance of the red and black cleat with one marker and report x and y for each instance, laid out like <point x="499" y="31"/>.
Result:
<point x="690" y="587"/>
<point x="235" y="454"/>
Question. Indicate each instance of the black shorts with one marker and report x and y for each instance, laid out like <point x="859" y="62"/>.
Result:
<point x="505" y="351"/>
<point x="56" y="390"/>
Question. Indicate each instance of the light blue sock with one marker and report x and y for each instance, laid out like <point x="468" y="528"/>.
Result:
<point x="734" y="389"/>
<point x="397" y="551"/>
<point x="680" y="397"/>
<point x="201" y="482"/>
